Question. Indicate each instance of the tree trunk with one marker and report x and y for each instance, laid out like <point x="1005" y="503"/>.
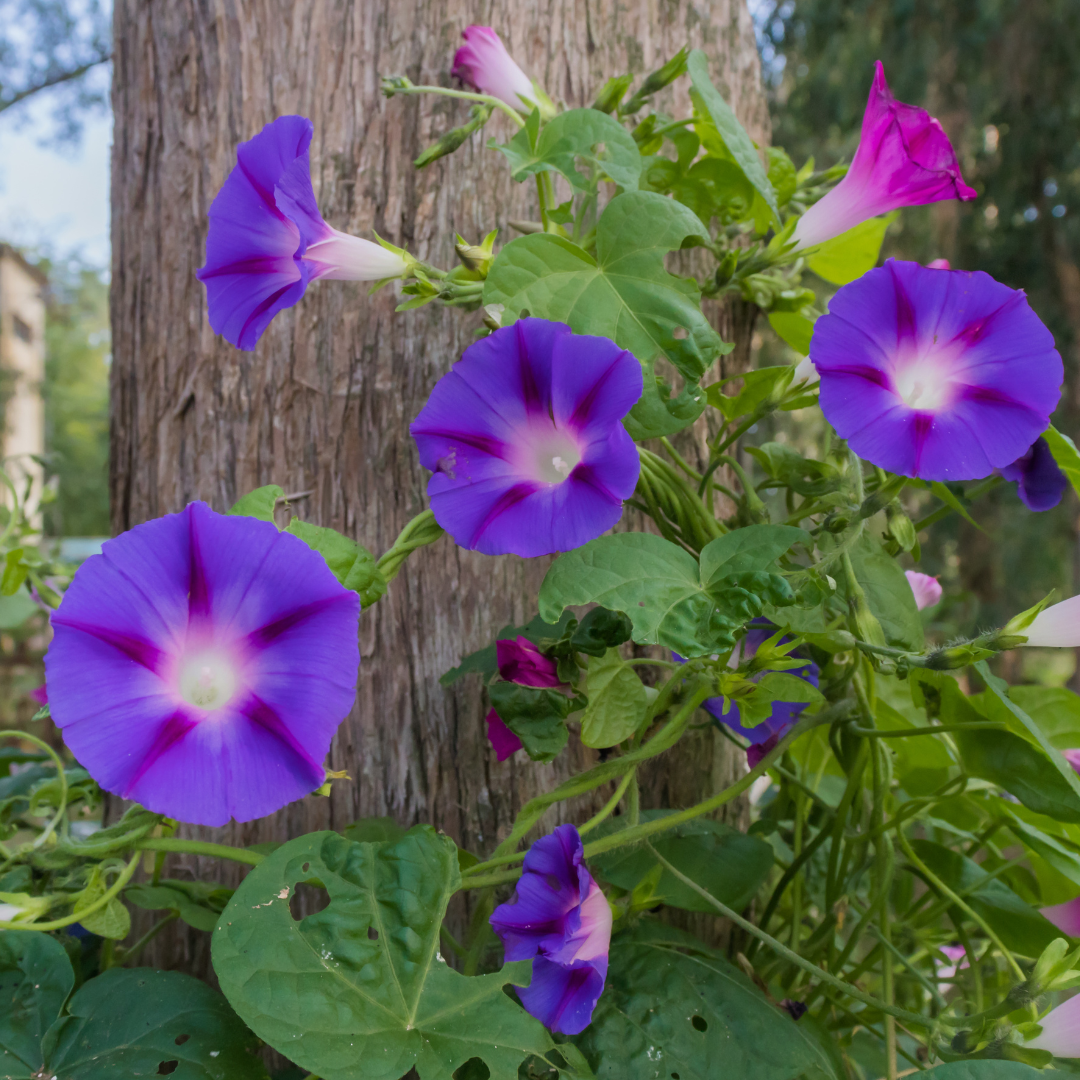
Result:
<point x="322" y="406"/>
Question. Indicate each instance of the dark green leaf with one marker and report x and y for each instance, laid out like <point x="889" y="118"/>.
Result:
<point x="803" y="475"/>
<point x="999" y="705"/>
<point x="713" y="1022"/>
<point x="755" y="547"/>
<point x="888" y="593"/>
<point x="1020" y="926"/>
<point x="653" y="580"/>
<point x="353" y="565"/>
<point x="137" y="1022"/>
<point x="374" y="830"/>
<point x="585" y="134"/>
<point x="259" y="503"/>
<point x="738" y="143"/>
<point x="1054" y="709"/>
<point x="535" y="715"/>
<point x="617" y="701"/>
<point x="600" y="630"/>
<point x="35" y="980"/>
<point x="725" y="862"/>
<point x="624" y="293"/>
<point x="362" y="980"/>
<point x="848" y="256"/>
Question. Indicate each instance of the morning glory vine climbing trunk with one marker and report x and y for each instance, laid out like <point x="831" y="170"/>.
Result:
<point x="322" y="405"/>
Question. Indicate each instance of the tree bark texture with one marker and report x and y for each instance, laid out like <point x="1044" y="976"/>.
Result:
<point x="323" y="404"/>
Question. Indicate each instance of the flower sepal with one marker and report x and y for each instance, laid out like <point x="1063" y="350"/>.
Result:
<point x="1012" y="633"/>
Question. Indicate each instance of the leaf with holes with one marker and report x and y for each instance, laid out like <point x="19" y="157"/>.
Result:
<point x="362" y="980"/>
<point x="35" y="980"/>
<point x="711" y="1013"/>
<point x="125" y="1022"/>
<point x="624" y="293"/>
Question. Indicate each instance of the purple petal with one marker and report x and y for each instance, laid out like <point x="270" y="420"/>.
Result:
<point x="525" y="440"/>
<point x="563" y="998"/>
<point x="938" y="374"/>
<point x="253" y="250"/>
<point x="201" y="665"/>
<point x="1039" y="482"/>
<point x="522" y="662"/>
<point x="904" y="158"/>
<point x="755" y="753"/>
<point x="501" y="737"/>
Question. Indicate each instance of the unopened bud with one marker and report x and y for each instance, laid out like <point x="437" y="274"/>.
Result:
<point x="900" y="526"/>
<point x="612" y="92"/>
<point x="657" y="80"/>
<point x="479" y="116"/>
<point x="394" y="84"/>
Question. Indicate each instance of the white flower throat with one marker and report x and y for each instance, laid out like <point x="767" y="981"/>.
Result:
<point x="207" y="681"/>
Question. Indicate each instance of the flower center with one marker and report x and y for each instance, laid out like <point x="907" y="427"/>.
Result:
<point x="925" y="383"/>
<point x="556" y="457"/>
<point x="207" y="681"/>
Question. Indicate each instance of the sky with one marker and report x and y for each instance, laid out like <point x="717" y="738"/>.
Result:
<point x="55" y="198"/>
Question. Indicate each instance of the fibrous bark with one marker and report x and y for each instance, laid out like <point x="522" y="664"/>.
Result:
<point x="323" y="404"/>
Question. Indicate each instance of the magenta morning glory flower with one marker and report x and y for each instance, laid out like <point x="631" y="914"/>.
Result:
<point x="521" y="662"/>
<point x="201" y="664"/>
<point x="484" y="64"/>
<point x="904" y="159"/>
<point x="525" y="439"/>
<point x="267" y="240"/>
<point x="1039" y="482"/>
<point x="560" y="919"/>
<point x="927" y="589"/>
<point x="937" y="374"/>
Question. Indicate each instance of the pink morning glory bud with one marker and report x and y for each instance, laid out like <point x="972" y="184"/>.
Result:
<point x="1066" y="917"/>
<point x="904" y="159"/>
<point x="561" y="920"/>
<point x="201" y="664"/>
<point x="484" y="64"/>
<point x="939" y="264"/>
<point x="267" y="240"/>
<point x="500" y="736"/>
<point x="522" y="662"/>
<point x="927" y="589"/>
<point x="1060" y="1031"/>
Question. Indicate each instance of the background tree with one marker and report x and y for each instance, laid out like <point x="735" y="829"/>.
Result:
<point x="322" y="406"/>
<point x="55" y="45"/>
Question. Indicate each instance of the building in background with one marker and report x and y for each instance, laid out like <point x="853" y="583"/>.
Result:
<point x="22" y="367"/>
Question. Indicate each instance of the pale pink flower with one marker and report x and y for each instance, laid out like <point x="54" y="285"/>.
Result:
<point x="927" y="589"/>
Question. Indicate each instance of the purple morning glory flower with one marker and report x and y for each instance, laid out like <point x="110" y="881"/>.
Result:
<point x="904" y="159"/>
<point x="1039" y="482"/>
<point x="560" y="919"/>
<point x="201" y="664"/>
<point x="267" y="240"/>
<point x="525" y="439"/>
<point x="938" y="374"/>
<point x="764" y="736"/>
<point x="521" y="662"/>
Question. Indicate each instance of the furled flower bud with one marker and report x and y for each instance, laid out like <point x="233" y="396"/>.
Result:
<point x="1057" y="626"/>
<point x="484" y="64"/>
<point x="1039" y="482"/>
<point x="904" y="159"/>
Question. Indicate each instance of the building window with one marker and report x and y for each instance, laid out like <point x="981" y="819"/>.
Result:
<point x="22" y="330"/>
